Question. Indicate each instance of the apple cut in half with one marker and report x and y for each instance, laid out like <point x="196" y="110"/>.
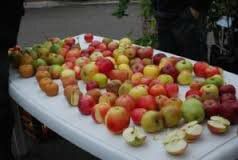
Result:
<point x="193" y="131"/>
<point x="218" y="125"/>
<point x="175" y="142"/>
<point x="134" y="136"/>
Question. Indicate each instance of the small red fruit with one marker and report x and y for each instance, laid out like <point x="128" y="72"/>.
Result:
<point x="88" y="37"/>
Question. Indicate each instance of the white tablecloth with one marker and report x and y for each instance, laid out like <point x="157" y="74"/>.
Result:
<point x="83" y="132"/>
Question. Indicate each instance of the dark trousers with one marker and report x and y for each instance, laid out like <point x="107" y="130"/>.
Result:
<point x="184" y="36"/>
<point x="9" y="30"/>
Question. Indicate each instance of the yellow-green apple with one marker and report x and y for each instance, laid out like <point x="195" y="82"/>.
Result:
<point x="91" y="85"/>
<point x="85" y="104"/>
<point x="118" y="75"/>
<point x="216" y="79"/>
<point x="157" y="89"/>
<point x="157" y="58"/>
<point x="172" y="89"/>
<point x="211" y="71"/>
<point x="137" y="114"/>
<point x="151" y="71"/>
<point x="112" y="45"/>
<point x="67" y="73"/>
<point x="124" y="67"/>
<point x="104" y="65"/>
<point x="199" y="68"/>
<point x="172" y="115"/>
<point x="55" y="48"/>
<point x="126" y="101"/>
<point x="185" y="77"/>
<point x="134" y="136"/>
<point x="161" y="100"/>
<point x="99" y="112"/>
<point x="148" y="102"/>
<point x="165" y="79"/>
<point x="117" y="119"/>
<point x="39" y="62"/>
<point x="125" y="42"/>
<point x="72" y="94"/>
<point x="55" y="59"/>
<point x="88" y="37"/>
<point x="136" y="77"/>
<point x="218" y="125"/>
<point x="147" y="61"/>
<point x="192" y="109"/>
<point x="122" y="59"/>
<point x="152" y="121"/>
<point x="100" y="79"/>
<point x="193" y="131"/>
<point x="95" y="93"/>
<point x="130" y="52"/>
<point x="211" y="107"/>
<point x="170" y="70"/>
<point x="125" y="88"/>
<point x="113" y="86"/>
<point x="55" y="71"/>
<point x="106" y="40"/>
<point x="176" y="102"/>
<point x="96" y="55"/>
<point x="81" y="61"/>
<point x="228" y="88"/>
<point x="138" y="91"/>
<point x="175" y="143"/>
<point x="209" y="91"/>
<point x="88" y="71"/>
<point x="108" y="97"/>
<point x="184" y="65"/>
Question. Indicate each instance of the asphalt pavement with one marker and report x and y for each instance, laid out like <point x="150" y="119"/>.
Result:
<point x="39" y="24"/>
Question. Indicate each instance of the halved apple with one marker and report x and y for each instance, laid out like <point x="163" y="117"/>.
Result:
<point x="193" y="131"/>
<point x="175" y="142"/>
<point x="218" y="125"/>
<point x="134" y="136"/>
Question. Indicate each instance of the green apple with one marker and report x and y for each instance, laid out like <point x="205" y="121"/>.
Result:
<point x="172" y="115"/>
<point x="152" y="121"/>
<point x="55" y="71"/>
<point x="55" y="48"/>
<point x="165" y="79"/>
<point x="138" y="91"/>
<point x="184" y="65"/>
<point x="125" y="42"/>
<point x="209" y="91"/>
<point x="47" y="44"/>
<point x="192" y="110"/>
<point x="88" y="71"/>
<point x="43" y="52"/>
<point x="100" y="79"/>
<point x="151" y="71"/>
<point x="55" y="59"/>
<point x="216" y="80"/>
<point x="134" y="136"/>
<point x="95" y="55"/>
<point x="39" y="62"/>
<point x="31" y="52"/>
<point x="185" y="77"/>
<point x="125" y="88"/>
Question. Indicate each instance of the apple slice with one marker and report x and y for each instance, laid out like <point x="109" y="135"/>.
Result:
<point x="193" y="131"/>
<point x="134" y="136"/>
<point x="175" y="143"/>
<point x="218" y="125"/>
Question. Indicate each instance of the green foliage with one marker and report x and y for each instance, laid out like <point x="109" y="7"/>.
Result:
<point x="121" y="9"/>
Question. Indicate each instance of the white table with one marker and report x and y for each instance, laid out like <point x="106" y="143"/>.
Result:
<point x="83" y="132"/>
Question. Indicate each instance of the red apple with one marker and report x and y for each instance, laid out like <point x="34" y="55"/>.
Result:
<point x="227" y="96"/>
<point x="137" y="67"/>
<point x="126" y="101"/>
<point x="172" y="89"/>
<point x="85" y="53"/>
<point x="211" y="71"/>
<point x="104" y="65"/>
<point x="107" y="53"/>
<point x="135" y="61"/>
<point x="228" y="88"/>
<point x="91" y="85"/>
<point x="108" y="97"/>
<point x="146" y="80"/>
<point x="74" y="52"/>
<point x="101" y="47"/>
<point x="211" y="107"/>
<point x="99" y="112"/>
<point x="86" y="103"/>
<point x="157" y="89"/>
<point x="193" y="92"/>
<point x="158" y="57"/>
<point x="112" y="45"/>
<point x="170" y="70"/>
<point x="137" y="114"/>
<point x="95" y="43"/>
<point x="95" y="93"/>
<point x="154" y="81"/>
<point x="199" y="69"/>
<point x="196" y="84"/>
<point x="90" y="49"/>
<point x="88" y="37"/>
<point x="148" y="102"/>
<point x="118" y="75"/>
<point x="145" y="52"/>
<point x="77" y="72"/>
<point x="69" y="41"/>
<point x="68" y="65"/>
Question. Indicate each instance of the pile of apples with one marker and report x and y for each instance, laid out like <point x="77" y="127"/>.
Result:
<point x="125" y="82"/>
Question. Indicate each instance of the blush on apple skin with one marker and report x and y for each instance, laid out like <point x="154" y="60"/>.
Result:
<point x="172" y="90"/>
<point x="200" y="69"/>
<point x="126" y="101"/>
<point x="193" y="92"/>
<point x="91" y="85"/>
<point x="137" y="114"/>
<point x="158" y="57"/>
<point x="148" y="102"/>
<point x="85" y="105"/>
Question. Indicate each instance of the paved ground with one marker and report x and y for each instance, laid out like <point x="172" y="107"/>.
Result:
<point x="38" y="24"/>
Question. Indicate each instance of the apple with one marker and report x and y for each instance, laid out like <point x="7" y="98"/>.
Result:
<point x="68" y="65"/>
<point x="193" y="131"/>
<point x="228" y="88"/>
<point x="55" y="59"/>
<point x="88" y="51"/>
<point x="172" y="89"/>
<point x="138" y="91"/>
<point x="51" y="89"/>
<point x="69" y="41"/>
<point x="41" y="74"/>
<point x="148" y="102"/>
<point x="136" y="78"/>
<point x="134" y="136"/>
<point x="117" y="119"/>
<point x="108" y="97"/>
<point x="176" y="102"/>
<point x="157" y="57"/>
<point x="26" y="70"/>
<point x="185" y="77"/>
<point x="73" y="53"/>
<point x="122" y="59"/>
<point x="43" y="82"/>
<point x="228" y="110"/>
<point x="216" y="79"/>
<point x="170" y="70"/>
<point x="106" y="40"/>
<point x="165" y="79"/>
<point x="88" y="37"/>
<point x="145" y="52"/>
<point x="146" y="80"/>
<point x="101" y="47"/>
<point x="184" y="65"/>
<point x="151" y="71"/>
<point x="209" y="91"/>
<point x="126" y="101"/>
<point x="95" y="93"/>
<point x="172" y="115"/>
<point x="107" y="53"/>
<point x="95" y="43"/>
<point x="66" y="81"/>
<point x="130" y="52"/>
<point x="157" y="89"/>
<point x="137" y="67"/>
<point x="137" y="114"/>
<point x="218" y="125"/>
<point x="81" y="61"/>
<point x="113" y="86"/>
<point x="152" y="121"/>
<point x="55" y="71"/>
<point x="199" y="68"/>
<point x="175" y="143"/>
<point x="72" y="94"/>
<point x="85" y="104"/>
<point x="192" y="109"/>
<point x="100" y="79"/>
<point x="197" y="83"/>
<point x="193" y="92"/>
<point x="227" y="97"/>
<point x="125" y="88"/>
<point x="39" y="62"/>
<point x="112" y="45"/>
<point x="161" y="100"/>
<point x="118" y="75"/>
<point x="136" y="60"/>
<point x="99" y="112"/>
<point x="147" y="61"/>
<point x="211" y="71"/>
<point x="95" y="56"/>
<point x="88" y="71"/>
<point x="211" y="107"/>
<point x="91" y="85"/>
